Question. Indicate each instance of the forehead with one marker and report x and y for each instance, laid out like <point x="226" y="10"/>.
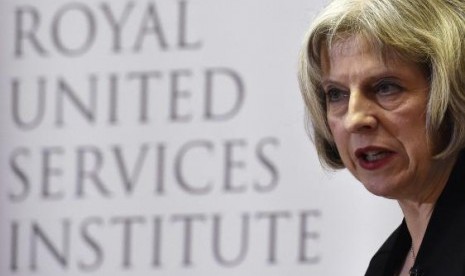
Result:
<point x="354" y="45"/>
<point x="356" y="48"/>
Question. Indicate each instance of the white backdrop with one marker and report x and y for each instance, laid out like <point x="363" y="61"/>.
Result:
<point x="167" y="138"/>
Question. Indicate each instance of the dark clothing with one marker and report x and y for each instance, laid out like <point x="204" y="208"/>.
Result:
<point x="442" y="251"/>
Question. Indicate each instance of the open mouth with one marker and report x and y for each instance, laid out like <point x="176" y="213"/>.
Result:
<point x="373" y="158"/>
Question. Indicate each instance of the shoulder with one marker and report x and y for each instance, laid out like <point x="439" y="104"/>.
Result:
<point x="379" y="260"/>
<point x="391" y="254"/>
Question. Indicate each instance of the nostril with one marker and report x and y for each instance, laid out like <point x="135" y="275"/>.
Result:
<point x="360" y="112"/>
<point x="360" y="121"/>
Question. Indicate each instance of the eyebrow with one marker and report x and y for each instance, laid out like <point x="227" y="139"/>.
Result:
<point x="390" y="74"/>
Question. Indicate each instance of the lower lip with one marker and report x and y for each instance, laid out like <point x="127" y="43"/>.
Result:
<point x="375" y="165"/>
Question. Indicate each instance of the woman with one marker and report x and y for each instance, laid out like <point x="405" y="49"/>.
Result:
<point x="384" y="86"/>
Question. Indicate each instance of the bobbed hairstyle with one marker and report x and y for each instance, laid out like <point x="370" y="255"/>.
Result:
<point x="430" y="33"/>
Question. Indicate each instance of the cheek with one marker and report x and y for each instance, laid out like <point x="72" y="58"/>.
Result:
<point x="413" y="132"/>
<point x="340" y="136"/>
<point x="417" y="142"/>
<point x="332" y="124"/>
<point x="336" y="129"/>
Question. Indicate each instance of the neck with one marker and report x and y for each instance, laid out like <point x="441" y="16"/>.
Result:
<point x="417" y="217"/>
<point x="417" y="211"/>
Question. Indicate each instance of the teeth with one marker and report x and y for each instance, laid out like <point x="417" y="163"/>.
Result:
<point x="375" y="155"/>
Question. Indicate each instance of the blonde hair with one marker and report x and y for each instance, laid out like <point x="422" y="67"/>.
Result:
<point x="430" y="33"/>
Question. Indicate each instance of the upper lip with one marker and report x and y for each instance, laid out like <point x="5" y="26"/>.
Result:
<point x="361" y="152"/>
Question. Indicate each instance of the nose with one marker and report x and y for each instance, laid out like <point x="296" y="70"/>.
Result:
<point x="360" y="116"/>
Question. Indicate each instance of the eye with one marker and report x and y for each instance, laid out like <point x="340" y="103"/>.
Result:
<point x="387" y="87"/>
<point x="336" y="95"/>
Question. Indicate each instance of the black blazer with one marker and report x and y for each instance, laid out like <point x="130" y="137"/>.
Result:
<point x="442" y="251"/>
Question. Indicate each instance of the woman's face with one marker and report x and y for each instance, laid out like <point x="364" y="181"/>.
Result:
<point x="376" y="114"/>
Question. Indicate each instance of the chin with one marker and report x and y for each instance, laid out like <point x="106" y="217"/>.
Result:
<point x="382" y="189"/>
